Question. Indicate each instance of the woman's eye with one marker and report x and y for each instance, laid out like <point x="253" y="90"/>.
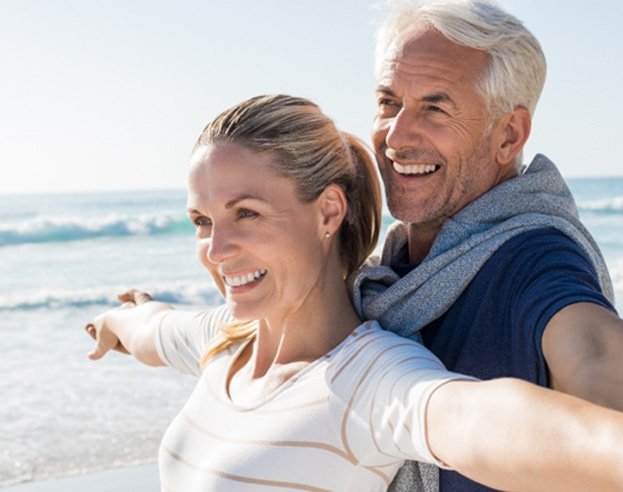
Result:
<point x="202" y="222"/>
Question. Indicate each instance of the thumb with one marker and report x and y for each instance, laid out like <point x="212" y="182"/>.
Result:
<point x="98" y="351"/>
<point x="102" y="345"/>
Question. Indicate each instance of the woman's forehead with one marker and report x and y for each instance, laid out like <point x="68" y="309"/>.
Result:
<point x="224" y="173"/>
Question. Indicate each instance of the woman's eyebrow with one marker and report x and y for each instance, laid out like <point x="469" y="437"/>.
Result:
<point x="231" y="203"/>
<point x="234" y="201"/>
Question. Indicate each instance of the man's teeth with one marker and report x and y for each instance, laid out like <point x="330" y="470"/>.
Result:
<point x="417" y="169"/>
<point x="244" y="279"/>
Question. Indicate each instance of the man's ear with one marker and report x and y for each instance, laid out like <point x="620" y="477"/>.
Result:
<point x="512" y="132"/>
<point x="332" y="206"/>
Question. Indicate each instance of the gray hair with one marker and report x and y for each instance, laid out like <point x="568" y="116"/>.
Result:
<point x="517" y="66"/>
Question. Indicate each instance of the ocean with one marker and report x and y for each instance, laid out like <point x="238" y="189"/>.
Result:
<point x="63" y="258"/>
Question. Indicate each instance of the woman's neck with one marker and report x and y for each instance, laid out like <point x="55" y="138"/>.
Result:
<point x="285" y="346"/>
<point x="306" y="333"/>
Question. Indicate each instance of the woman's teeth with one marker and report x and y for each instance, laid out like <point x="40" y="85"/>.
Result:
<point x="244" y="279"/>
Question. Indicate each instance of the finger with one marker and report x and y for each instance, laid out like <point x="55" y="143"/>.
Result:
<point x="140" y="297"/>
<point x="134" y="295"/>
<point x="125" y="297"/>
<point x="98" y="352"/>
<point x="90" y="329"/>
<point x="103" y="343"/>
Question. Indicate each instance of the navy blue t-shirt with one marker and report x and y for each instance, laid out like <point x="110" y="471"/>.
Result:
<point x="494" y="328"/>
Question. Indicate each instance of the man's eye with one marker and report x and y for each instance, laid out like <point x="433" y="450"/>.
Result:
<point x="435" y="109"/>
<point x="387" y="102"/>
<point x="387" y="107"/>
<point x="244" y="213"/>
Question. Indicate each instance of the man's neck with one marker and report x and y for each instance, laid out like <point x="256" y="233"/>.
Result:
<point x="423" y="235"/>
<point x="421" y="239"/>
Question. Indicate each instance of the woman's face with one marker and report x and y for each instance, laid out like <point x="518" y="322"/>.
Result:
<point x="262" y="245"/>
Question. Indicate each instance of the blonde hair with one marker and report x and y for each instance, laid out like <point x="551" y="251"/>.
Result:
<point x="230" y="334"/>
<point x="310" y="150"/>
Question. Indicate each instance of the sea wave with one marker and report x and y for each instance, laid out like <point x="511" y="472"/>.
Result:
<point x="60" y="229"/>
<point x="616" y="274"/>
<point x="604" y="205"/>
<point x="183" y="292"/>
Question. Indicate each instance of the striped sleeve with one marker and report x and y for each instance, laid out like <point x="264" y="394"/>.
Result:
<point x="405" y="395"/>
<point x="182" y="337"/>
<point x="395" y="380"/>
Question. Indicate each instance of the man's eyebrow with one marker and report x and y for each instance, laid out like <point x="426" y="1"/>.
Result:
<point x="433" y="98"/>
<point x="438" y="97"/>
<point x="383" y="89"/>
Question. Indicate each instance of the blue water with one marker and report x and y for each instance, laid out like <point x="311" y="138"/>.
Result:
<point x="62" y="260"/>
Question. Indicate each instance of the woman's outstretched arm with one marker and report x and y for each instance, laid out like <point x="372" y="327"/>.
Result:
<point x="512" y="435"/>
<point x="127" y="328"/>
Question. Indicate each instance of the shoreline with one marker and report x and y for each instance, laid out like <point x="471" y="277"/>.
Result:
<point x="129" y="479"/>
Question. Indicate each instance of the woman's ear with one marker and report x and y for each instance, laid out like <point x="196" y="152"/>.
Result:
<point x="332" y="205"/>
<point x="512" y="132"/>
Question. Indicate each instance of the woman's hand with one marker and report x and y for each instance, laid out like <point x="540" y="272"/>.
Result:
<point x="114" y="330"/>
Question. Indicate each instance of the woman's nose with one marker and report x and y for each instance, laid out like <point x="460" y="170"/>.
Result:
<point x="222" y="245"/>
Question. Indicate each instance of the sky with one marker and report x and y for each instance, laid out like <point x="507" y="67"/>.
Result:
<point x="111" y="94"/>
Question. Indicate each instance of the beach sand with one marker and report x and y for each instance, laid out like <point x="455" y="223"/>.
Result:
<point x="142" y="478"/>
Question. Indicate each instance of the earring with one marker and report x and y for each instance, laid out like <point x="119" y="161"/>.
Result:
<point x="327" y="234"/>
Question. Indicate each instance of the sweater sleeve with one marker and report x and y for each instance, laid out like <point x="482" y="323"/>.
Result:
<point x="182" y="337"/>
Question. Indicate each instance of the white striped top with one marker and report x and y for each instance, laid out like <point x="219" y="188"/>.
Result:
<point x="346" y="422"/>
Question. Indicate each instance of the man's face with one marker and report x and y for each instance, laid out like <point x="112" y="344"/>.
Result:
<point x="430" y="133"/>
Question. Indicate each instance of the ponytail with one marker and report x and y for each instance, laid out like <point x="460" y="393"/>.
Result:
<point x="361" y="228"/>
<point x="311" y="151"/>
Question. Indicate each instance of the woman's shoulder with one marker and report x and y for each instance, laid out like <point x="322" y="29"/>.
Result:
<point x="375" y="361"/>
<point x="371" y="333"/>
<point x="370" y="345"/>
<point x="217" y="316"/>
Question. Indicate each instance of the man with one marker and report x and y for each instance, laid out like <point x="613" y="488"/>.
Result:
<point x="489" y="264"/>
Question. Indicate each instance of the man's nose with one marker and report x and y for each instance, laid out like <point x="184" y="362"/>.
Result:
<point x="404" y="130"/>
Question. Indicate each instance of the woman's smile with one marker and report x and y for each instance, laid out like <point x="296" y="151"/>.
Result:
<point x="256" y="236"/>
<point x="252" y="278"/>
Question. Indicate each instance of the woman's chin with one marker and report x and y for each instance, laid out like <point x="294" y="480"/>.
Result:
<point x="242" y="312"/>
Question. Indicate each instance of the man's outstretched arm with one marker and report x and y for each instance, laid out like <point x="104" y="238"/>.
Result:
<point x="583" y="348"/>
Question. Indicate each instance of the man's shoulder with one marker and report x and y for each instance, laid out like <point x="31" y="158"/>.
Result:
<point x="531" y="261"/>
<point x="533" y="244"/>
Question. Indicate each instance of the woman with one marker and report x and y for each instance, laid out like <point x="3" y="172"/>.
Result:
<point x="295" y="391"/>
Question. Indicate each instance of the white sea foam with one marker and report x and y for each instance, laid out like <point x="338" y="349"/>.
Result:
<point x="43" y="229"/>
<point x="616" y="273"/>
<point x="606" y="205"/>
<point x="186" y="292"/>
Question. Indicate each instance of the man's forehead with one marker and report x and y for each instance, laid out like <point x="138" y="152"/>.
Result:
<point x="429" y="50"/>
<point x="398" y="44"/>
